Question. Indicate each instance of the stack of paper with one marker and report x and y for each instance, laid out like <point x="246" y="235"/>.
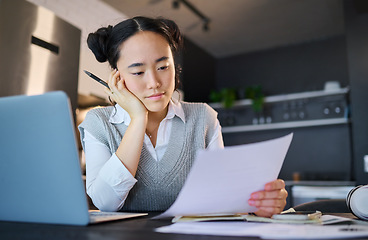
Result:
<point x="267" y="230"/>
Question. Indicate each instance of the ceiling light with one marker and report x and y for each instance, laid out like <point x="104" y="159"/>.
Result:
<point x="191" y="7"/>
<point x="175" y="4"/>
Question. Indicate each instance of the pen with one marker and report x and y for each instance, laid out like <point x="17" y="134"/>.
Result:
<point x="97" y="78"/>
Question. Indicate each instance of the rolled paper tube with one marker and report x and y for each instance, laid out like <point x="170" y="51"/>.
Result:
<point x="357" y="201"/>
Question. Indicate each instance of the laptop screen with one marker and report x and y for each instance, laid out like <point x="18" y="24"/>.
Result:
<point x="40" y="174"/>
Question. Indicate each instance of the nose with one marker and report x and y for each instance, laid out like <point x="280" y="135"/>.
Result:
<point x="153" y="81"/>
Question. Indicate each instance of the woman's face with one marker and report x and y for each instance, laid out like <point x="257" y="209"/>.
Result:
<point x="146" y="64"/>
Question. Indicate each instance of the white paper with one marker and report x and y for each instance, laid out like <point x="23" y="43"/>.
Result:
<point x="221" y="181"/>
<point x="267" y="230"/>
<point x="331" y="219"/>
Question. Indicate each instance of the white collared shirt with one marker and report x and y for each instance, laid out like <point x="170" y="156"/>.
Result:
<point x="108" y="181"/>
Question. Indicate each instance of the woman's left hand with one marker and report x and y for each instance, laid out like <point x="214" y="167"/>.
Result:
<point x="271" y="200"/>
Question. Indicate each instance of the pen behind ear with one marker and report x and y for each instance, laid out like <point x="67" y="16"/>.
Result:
<point x="97" y="78"/>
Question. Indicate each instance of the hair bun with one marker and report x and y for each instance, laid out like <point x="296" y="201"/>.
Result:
<point x="174" y="33"/>
<point x="98" y="42"/>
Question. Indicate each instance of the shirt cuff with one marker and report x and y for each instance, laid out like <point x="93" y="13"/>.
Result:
<point x="115" y="174"/>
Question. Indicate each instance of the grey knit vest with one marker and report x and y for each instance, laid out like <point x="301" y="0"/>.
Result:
<point x="158" y="182"/>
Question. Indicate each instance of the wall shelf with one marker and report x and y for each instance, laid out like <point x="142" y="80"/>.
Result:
<point x="286" y="97"/>
<point x="284" y="125"/>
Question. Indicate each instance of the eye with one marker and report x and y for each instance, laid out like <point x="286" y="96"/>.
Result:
<point x="163" y="68"/>
<point x="137" y="73"/>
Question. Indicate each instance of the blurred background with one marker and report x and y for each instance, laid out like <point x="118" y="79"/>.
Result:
<point x="269" y="67"/>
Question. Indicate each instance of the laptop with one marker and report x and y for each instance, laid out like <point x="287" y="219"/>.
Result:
<point x="40" y="173"/>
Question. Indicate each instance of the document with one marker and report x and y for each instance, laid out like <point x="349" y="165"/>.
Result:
<point x="267" y="230"/>
<point x="221" y="181"/>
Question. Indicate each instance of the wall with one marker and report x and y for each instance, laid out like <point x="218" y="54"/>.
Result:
<point x="357" y="49"/>
<point x="87" y="15"/>
<point x="289" y="69"/>
<point x="198" y="75"/>
<point x="308" y="66"/>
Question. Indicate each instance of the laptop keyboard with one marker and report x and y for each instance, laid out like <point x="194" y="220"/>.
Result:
<point x="100" y="216"/>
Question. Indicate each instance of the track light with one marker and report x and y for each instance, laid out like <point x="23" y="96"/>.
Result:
<point x="175" y="4"/>
<point x="205" y="20"/>
<point x="206" y="26"/>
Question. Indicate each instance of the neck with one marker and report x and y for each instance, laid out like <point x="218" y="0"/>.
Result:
<point x="154" y="120"/>
<point x="156" y="117"/>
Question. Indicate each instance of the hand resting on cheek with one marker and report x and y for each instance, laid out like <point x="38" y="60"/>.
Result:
<point x="122" y="96"/>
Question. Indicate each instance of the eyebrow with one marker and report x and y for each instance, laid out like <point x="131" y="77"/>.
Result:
<point x="141" y="64"/>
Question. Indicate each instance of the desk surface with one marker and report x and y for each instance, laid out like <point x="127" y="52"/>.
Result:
<point x="137" y="229"/>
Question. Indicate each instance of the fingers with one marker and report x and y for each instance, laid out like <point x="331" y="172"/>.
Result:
<point x="279" y="194"/>
<point x="271" y="200"/>
<point x="268" y="211"/>
<point x="109" y="92"/>
<point x="113" y="80"/>
<point x="118" y="90"/>
<point x="278" y="201"/>
<point x="122" y="96"/>
<point x="121" y="84"/>
<point x="269" y="207"/>
<point x="277" y="184"/>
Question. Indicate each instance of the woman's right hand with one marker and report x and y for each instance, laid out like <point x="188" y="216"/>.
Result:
<point x="130" y="147"/>
<point x="122" y="96"/>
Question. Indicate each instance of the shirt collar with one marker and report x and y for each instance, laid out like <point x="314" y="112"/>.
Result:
<point x="175" y="109"/>
<point x="119" y="115"/>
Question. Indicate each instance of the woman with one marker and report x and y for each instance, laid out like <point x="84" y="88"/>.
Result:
<point x="139" y="152"/>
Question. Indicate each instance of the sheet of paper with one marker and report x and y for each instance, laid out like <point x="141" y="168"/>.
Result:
<point x="331" y="219"/>
<point x="221" y="181"/>
<point x="267" y="230"/>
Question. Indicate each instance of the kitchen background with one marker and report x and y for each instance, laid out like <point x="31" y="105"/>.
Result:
<point x="304" y="62"/>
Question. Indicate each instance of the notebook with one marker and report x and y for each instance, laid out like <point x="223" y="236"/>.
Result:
<point x="40" y="174"/>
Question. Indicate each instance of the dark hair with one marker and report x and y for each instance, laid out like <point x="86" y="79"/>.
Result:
<point x="105" y="42"/>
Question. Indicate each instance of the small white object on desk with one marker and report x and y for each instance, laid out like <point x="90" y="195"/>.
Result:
<point x="357" y="201"/>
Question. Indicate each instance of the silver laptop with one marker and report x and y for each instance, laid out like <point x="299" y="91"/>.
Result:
<point x="40" y="174"/>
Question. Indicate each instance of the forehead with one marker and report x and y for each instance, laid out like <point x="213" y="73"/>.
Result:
<point x="144" y="46"/>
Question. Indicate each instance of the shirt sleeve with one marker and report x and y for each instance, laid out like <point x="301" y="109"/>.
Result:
<point x="108" y="181"/>
<point x="216" y="141"/>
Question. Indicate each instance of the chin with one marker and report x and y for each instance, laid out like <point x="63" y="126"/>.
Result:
<point x="158" y="107"/>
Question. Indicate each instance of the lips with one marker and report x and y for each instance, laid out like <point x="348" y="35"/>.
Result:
<point x="156" y="96"/>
